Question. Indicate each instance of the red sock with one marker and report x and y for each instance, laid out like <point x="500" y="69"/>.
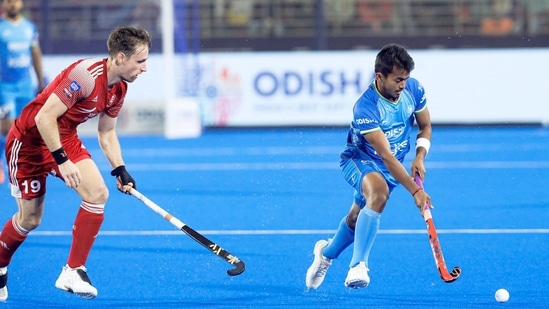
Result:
<point x="11" y="238"/>
<point x="84" y="231"/>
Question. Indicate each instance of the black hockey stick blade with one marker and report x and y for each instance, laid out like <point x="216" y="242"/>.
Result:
<point x="217" y="250"/>
<point x="208" y="244"/>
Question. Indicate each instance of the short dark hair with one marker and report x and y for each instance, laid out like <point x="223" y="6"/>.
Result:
<point x="126" y="39"/>
<point x="392" y="55"/>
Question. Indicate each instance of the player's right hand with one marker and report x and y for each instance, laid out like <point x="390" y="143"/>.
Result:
<point x="421" y="198"/>
<point x="70" y="173"/>
<point x="124" y="181"/>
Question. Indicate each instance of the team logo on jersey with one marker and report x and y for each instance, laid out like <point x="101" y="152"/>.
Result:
<point x="74" y="86"/>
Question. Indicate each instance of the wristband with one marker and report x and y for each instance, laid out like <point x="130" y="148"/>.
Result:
<point x="60" y="156"/>
<point x="117" y="171"/>
<point x="423" y="142"/>
<point x="415" y="192"/>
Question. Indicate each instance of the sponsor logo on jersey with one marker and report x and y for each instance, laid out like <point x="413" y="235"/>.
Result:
<point x="21" y="61"/>
<point x="17" y="46"/>
<point x="67" y="93"/>
<point x="395" y="132"/>
<point x="360" y="121"/>
<point x="74" y="86"/>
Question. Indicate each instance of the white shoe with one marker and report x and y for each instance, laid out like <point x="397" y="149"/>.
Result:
<point x="317" y="270"/>
<point x="357" y="277"/>
<point x="3" y="283"/>
<point x="75" y="280"/>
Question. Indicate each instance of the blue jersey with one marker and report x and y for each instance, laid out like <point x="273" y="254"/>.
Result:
<point x="16" y="41"/>
<point x="372" y="112"/>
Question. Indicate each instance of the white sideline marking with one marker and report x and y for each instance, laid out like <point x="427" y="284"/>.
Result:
<point x="201" y="152"/>
<point x="332" y="165"/>
<point x="297" y="232"/>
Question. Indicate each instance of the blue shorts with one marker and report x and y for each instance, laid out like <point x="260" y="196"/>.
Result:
<point x="354" y="168"/>
<point x="14" y="96"/>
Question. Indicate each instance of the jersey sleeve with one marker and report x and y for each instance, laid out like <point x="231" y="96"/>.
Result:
<point x="35" y="42"/>
<point x="76" y="85"/>
<point x="366" y="117"/>
<point x="417" y="90"/>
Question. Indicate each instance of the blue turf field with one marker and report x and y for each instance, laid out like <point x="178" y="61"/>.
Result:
<point x="268" y="195"/>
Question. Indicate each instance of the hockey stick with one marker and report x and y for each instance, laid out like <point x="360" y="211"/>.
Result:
<point x="208" y="244"/>
<point x="435" y="244"/>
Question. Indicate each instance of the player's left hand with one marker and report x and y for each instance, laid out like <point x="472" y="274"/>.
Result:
<point x="124" y="181"/>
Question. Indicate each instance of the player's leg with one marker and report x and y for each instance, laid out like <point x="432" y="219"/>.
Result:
<point x="327" y="250"/>
<point x="342" y="239"/>
<point x="376" y="192"/>
<point x="94" y="194"/>
<point x="29" y="193"/>
<point x="15" y="232"/>
<point x="87" y="224"/>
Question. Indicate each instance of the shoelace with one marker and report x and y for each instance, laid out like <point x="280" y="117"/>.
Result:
<point x="323" y="268"/>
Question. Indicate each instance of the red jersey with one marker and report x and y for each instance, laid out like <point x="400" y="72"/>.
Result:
<point x="83" y="88"/>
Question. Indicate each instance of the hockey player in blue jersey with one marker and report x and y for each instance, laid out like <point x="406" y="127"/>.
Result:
<point x="19" y="54"/>
<point x="371" y="162"/>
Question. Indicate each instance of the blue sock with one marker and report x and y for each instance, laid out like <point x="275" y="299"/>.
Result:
<point x="343" y="237"/>
<point x="366" y="229"/>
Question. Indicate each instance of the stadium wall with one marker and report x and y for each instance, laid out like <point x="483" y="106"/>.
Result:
<point x="270" y="89"/>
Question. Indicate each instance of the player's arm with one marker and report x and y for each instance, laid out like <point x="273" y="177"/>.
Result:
<point x="423" y="142"/>
<point x="381" y="145"/>
<point x="110" y="145"/>
<point x="46" y="122"/>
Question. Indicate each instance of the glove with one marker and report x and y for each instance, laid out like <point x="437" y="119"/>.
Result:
<point x="125" y="178"/>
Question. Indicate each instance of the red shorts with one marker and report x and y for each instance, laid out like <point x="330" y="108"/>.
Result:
<point x="30" y="162"/>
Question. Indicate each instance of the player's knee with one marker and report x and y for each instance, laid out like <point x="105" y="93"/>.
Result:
<point x="352" y="216"/>
<point x="102" y="195"/>
<point x="99" y="195"/>
<point x="377" y="200"/>
<point x="351" y="221"/>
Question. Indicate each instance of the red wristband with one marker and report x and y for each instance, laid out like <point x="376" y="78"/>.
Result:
<point x="418" y="189"/>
